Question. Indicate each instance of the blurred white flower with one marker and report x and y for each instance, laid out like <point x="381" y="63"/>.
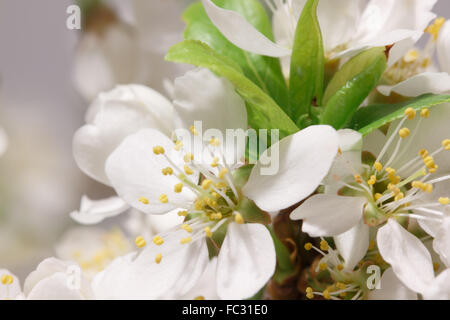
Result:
<point x="415" y="73"/>
<point x="127" y="45"/>
<point x="3" y="141"/>
<point x="348" y="27"/>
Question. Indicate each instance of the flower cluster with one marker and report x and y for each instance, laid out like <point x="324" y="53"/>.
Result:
<point x="342" y="129"/>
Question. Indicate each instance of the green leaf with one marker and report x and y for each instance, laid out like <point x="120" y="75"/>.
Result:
<point x="263" y="112"/>
<point x="372" y="117"/>
<point x="351" y="85"/>
<point x="307" y="64"/>
<point x="285" y="268"/>
<point x="264" y="71"/>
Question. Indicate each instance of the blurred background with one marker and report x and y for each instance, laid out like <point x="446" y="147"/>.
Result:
<point x="48" y="76"/>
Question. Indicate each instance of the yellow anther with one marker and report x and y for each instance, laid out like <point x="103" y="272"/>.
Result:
<point x="198" y="204"/>
<point x="323" y="266"/>
<point x="212" y="203"/>
<point x="215" y="162"/>
<point x="326" y="294"/>
<point x="185" y="240"/>
<point x="182" y="213"/>
<point x="206" y="184"/>
<point x="410" y="113"/>
<point x="309" y="293"/>
<point x="140" y="242"/>
<point x="193" y="130"/>
<point x="222" y="173"/>
<point x="428" y="188"/>
<point x="215" y="216"/>
<point x="188" y="170"/>
<point x="377" y="196"/>
<point x="214" y="142"/>
<point x="423" y="153"/>
<point x="221" y="185"/>
<point x="158" y="150"/>
<point x="433" y="169"/>
<point x="394" y="188"/>
<point x="238" y="218"/>
<point x="435" y="28"/>
<point x="208" y="232"/>
<point x="372" y="180"/>
<point x="357" y="178"/>
<point x="309" y="290"/>
<point x="158" y="258"/>
<point x="167" y="171"/>
<point x="163" y="198"/>
<point x="341" y="285"/>
<point x="390" y="170"/>
<point x="411" y="56"/>
<point x="399" y="196"/>
<point x="188" y="157"/>
<point x="144" y="200"/>
<point x="199" y="298"/>
<point x="324" y="245"/>
<point x="404" y="133"/>
<point x="7" y="279"/>
<point x="178" y="187"/>
<point x="308" y="246"/>
<point x="178" y="145"/>
<point x="425" y="113"/>
<point x="446" y="144"/>
<point x="378" y="166"/>
<point x="158" y="240"/>
<point x="187" y="228"/>
<point x="340" y="267"/>
<point x="215" y="195"/>
<point x="444" y="201"/>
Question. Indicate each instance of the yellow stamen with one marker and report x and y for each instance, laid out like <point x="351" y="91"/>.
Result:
<point x="178" y="145"/>
<point x="193" y="130"/>
<point x="163" y="198"/>
<point x="158" y="240"/>
<point x="214" y="142"/>
<point x="372" y="180"/>
<point x="158" y="258"/>
<point x="238" y="218"/>
<point x="208" y="232"/>
<point x="215" y="162"/>
<point x="144" y="200"/>
<point x="167" y="171"/>
<point x="222" y="173"/>
<point x="7" y="279"/>
<point x="178" y="187"/>
<point x="188" y="157"/>
<point x="435" y="28"/>
<point x="206" y="184"/>
<point x="323" y="266"/>
<point x="357" y="178"/>
<point x="182" y="213"/>
<point x="340" y="267"/>
<point x="308" y="246"/>
<point x="378" y="166"/>
<point x="404" y="133"/>
<point x="425" y="113"/>
<point x="446" y="144"/>
<point x="188" y="170"/>
<point x="326" y="294"/>
<point x="410" y="113"/>
<point x="423" y="153"/>
<point x="140" y="242"/>
<point x="158" y="150"/>
<point x="199" y="298"/>
<point x="185" y="240"/>
<point x="411" y="56"/>
<point x="324" y="245"/>
<point x="187" y="228"/>
<point x="444" y="201"/>
<point x="377" y="196"/>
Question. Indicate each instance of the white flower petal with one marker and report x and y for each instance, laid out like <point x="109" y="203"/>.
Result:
<point x="443" y="47"/>
<point x="135" y="172"/>
<point x="138" y="276"/>
<point x="10" y="291"/>
<point x="302" y="159"/>
<point x="113" y="116"/>
<point x="241" y="33"/>
<point x="427" y="82"/>
<point x="95" y="211"/>
<point x="439" y="289"/>
<point x="407" y="255"/>
<point x="52" y="279"/>
<point x="202" y="96"/>
<point x="353" y="244"/>
<point x="206" y="286"/>
<point x="441" y="242"/>
<point x="103" y="61"/>
<point x="329" y="215"/>
<point x="246" y="261"/>
<point x="391" y="289"/>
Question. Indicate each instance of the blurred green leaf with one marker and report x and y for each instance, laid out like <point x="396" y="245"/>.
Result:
<point x="369" y="118"/>
<point x="351" y="85"/>
<point x="307" y="64"/>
